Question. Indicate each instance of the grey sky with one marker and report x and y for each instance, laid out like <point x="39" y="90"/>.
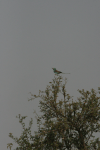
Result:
<point x="36" y="36"/>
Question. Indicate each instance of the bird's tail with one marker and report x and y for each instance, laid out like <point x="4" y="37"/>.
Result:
<point x="65" y="73"/>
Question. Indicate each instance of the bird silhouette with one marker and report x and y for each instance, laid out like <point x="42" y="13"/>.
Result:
<point x="58" y="72"/>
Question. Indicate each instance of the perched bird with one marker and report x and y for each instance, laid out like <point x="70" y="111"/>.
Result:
<point x="58" y="72"/>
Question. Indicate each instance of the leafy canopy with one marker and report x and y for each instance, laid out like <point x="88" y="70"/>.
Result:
<point x="64" y="124"/>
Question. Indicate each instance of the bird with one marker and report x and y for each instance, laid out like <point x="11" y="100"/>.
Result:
<point x="58" y="72"/>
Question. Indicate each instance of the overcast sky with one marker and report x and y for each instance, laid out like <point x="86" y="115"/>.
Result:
<point x="36" y="35"/>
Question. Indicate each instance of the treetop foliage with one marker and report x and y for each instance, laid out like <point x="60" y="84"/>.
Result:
<point x="64" y="124"/>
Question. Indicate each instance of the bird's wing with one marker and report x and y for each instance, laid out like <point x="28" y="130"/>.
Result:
<point x="58" y="71"/>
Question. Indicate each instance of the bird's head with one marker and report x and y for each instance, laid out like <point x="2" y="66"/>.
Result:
<point x="54" y="69"/>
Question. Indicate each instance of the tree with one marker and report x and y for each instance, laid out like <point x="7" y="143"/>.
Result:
<point x="64" y="124"/>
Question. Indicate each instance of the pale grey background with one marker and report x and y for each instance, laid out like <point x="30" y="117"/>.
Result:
<point x="36" y="35"/>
